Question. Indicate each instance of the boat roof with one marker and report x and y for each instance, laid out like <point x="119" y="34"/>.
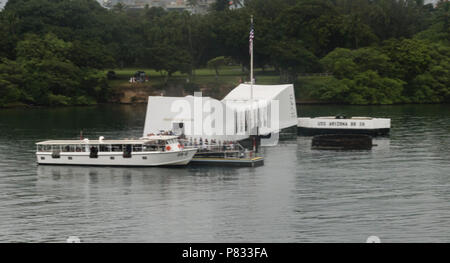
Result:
<point x="125" y="141"/>
<point x="159" y="137"/>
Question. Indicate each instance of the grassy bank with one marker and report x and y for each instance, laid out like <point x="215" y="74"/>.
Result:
<point x="204" y="80"/>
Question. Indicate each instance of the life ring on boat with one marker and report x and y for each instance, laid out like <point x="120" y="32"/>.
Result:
<point x="168" y="148"/>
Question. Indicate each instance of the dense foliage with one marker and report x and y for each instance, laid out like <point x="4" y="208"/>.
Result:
<point x="53" y="52"/>
<point x="398" y="71"/>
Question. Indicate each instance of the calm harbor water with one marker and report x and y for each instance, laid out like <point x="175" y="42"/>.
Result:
<point x="398" y="191"/>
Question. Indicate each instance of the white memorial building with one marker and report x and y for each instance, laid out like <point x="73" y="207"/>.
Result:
<point x="246" y="110"/>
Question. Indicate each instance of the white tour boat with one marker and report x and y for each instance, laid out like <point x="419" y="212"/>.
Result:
<point x="343" y="125"/>
<point x="157" y="150"/>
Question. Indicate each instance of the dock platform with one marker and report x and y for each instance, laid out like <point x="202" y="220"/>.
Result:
<point x="237" y="162"/>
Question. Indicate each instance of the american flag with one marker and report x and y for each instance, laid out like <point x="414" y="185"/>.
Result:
<point x="252" y="36"/>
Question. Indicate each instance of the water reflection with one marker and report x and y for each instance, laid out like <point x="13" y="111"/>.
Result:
<point x="149" y="204"/>
<point x="154" y="180"/>
<point x="94" y="174"/>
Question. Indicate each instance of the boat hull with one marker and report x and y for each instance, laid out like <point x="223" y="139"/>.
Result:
<point x="303" y="131"/>
<point x="144" y="159"/>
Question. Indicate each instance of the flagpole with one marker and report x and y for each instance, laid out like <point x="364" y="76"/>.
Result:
<point x="251" y="65"/>
<point x="252" y="81"/>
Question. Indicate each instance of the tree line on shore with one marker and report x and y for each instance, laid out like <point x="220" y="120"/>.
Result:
<point x="54" y="52"/>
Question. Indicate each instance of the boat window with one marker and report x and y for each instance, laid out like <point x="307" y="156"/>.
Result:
<point x="47" y="148"/>
<point x="137" y="148"/>
<point x="149" y="148"/>
<point x="116" y="148"/>
<point x="105" y="148"/>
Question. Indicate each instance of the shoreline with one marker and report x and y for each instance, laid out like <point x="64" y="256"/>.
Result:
<point x="298" y="103"/>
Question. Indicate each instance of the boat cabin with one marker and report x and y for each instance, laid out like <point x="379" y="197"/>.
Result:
<point x="158" y="150"/>
<point x="127" y="147"/>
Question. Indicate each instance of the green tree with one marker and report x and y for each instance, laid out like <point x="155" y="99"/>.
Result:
<point x="90" y="54"/>
<point x="8" y="34"/>
<point x="10" y="81"/>
<point x="58" y="47"/>
<point x="167" y="46"/>
<point x="44" y="74"/>
<point x="439" y="30"/>
<point x="345" y="63"/>
<point x="364" y="88"/>
<point x="409" y="57"/>
<point x="340" y="62"/>
<point x="291" y="58"/>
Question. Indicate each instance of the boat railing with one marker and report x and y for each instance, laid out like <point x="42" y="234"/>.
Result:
<point x="226" y="150"/>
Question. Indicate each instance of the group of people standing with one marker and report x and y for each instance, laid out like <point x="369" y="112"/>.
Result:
<point x="206" y="144"/>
